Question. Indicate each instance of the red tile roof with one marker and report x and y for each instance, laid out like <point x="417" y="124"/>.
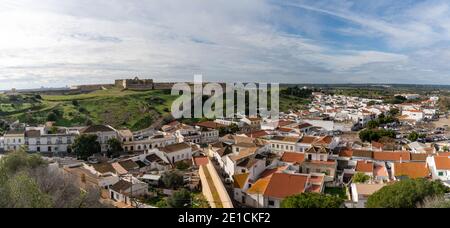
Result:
<point x="291" y="157"/>
<point x="392" y="156"/>
<point x="442" y="163"/>
<point x="283" y="185"/>
<point x="364" y="167"/>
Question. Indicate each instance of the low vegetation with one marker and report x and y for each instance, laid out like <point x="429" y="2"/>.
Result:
<point x="406" y="194"/>
<point x="26" y="181"/>
<point x="312" y="200"/>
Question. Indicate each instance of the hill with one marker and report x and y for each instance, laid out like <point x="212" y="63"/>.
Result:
<point x="131" y="109"/>
<point x="135" y="110"/>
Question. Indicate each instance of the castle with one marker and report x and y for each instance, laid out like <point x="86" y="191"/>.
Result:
<point x="135" y="84"/>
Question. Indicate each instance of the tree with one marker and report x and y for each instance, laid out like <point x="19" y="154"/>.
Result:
<point x="114" y="148"/>
<point x="52" y="117"/>
<point x="75" y="103"/>
<point x="413" y="136"/>
<point x="180" y="199"/>
<point x="373" y="124"/>
<point x="85" y="146"/>
<point x="312" y="200"/>
<point x="173" y="180"/>
<point x="26" y="181"/>
<point x="446" y="149"/>
<point x="406" y="194"/>
<point x="360" y="178"/>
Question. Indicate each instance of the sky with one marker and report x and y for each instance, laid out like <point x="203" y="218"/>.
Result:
<point x="55" y="43"/>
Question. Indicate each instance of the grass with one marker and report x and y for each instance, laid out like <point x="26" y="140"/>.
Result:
<point x="132" y="109"/>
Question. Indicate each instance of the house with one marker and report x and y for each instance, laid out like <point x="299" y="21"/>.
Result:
<point x="88" y="177"/>
<point x="14" y="139"/>
<point x="150" y="141"/>
<point x="209" y="131"/>
<point x="127" y="189"/>
<point x="420" y="148"/>
<point x="281" y="144"/>
<point x="55" y="140"/>
<point x="413" y="115"/>
<point x="104" y="134"/>
<point x="365" y="167"/>
<point x="361" y="192"/>
<point x="318" y="162"/>
<point x="254" y="122"/>
<point x="411" y="170"/>
<point x="293" y="159"/>
<point x="400" y="156"/>
<point x="274" y="186"/>
<point x="440" y="168"/>
<point x="177" y="152"/>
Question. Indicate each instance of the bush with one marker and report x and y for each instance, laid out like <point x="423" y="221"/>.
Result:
<point x="406" y="194"/>
<point x="360" y="178"/>
<point x="312" y="200"/>
<point x="180" y="199"/>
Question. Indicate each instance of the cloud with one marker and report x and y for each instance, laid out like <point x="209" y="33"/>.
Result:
<point x="58" y="43"/>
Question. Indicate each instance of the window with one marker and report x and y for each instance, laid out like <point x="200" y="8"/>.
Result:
<point x="271" y="203"/>
<point x="441" y="174"/>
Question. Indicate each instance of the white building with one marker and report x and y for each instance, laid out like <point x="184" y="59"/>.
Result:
<point x="14" y="140"/>
<point x="414" y="115"/>
<point x="177" y="152"/>
<point x="440" y="168"/>
<point x="49" y="140"/>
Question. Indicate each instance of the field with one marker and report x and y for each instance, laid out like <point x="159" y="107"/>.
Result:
<point x="131" y="109"/>
<point x="134" y="110"/>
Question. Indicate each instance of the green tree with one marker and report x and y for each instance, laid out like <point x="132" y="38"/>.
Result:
<point x="360" y="178"/>
<point x="52" y="117"/>
<point x="180" y="199"/>
<point x="446" y="149"/>
<point x="413" y="136"/>
<point x="85" y="146"/>
<point x="25" y="193"/>
<point x="312" y="200"/>
<point x="406" y="194"/>
<point x="373" y="124"/>
<point x="75" y="103"/>
<point x="173" y="180"/>
<point x="114" y="148"/>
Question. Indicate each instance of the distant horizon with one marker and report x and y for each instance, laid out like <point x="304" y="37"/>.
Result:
<point x="187" y="81"/>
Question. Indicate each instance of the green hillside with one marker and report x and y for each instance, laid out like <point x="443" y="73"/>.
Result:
<point x="132" y="109"/>
<point x="135" y="110"/>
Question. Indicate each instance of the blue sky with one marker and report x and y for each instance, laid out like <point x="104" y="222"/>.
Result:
<point x="55" y="43"/>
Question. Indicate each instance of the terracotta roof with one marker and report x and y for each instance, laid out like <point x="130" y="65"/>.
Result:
<point x="308" y="139"/>
<point x="392" y="156"/>
<point x="104" y="168"/>
<point x="346" y="152"/>
<point x="129" y="165"/>
<point x="418" y="157"/>
<point x="363" y="153"/>
<point x="446" y="154"/>
<point x="200" y="161"/>
<point x="364" y="167"/>
<point x="326" y="140"/>
<point x="243" y="154"/>
<point x="411" y="170"/>
<point x="153" y="158"/>
<point x="175" y="148"/>
<point x="290" y="157"/>
<point x="283" y="185"/>
<point x="33" y="133"/>
<point x="286" y="139"/>
<point x="247" y="163"/>
<point x="121" y="186"/>
<point x="377" y="145"/>
<point x="442" y="163"/>
<point x="318" y="150"/>
<point x="210" y="125"/>
<point x="368" y="189"/>
<point x="257" y="134"/>
<point x="240" y="180"/>
<point x="380" y="171"/>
